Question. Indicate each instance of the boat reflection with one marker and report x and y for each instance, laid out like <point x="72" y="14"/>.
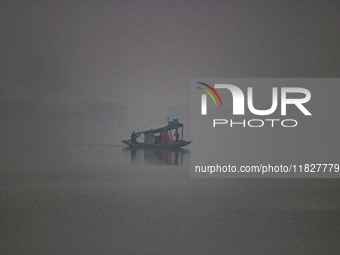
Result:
<point x="151" y="156"/>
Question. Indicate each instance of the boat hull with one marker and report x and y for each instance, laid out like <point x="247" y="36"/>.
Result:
<point x="177" y="144"/>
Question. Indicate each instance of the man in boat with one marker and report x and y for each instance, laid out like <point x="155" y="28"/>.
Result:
<point x="133" y="137"/>
<point x="176" y="135"/>
<point x="165" y="136"/>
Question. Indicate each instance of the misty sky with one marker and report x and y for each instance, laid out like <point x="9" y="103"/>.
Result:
<point x="143" y="53"/>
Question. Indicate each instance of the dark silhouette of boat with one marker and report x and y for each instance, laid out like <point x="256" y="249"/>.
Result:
<point x="167" y="136"/>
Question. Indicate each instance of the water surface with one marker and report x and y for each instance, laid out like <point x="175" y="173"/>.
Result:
<point x="73" y="188"/>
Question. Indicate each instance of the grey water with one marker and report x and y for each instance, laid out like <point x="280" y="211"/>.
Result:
<point x="71" y="187"/>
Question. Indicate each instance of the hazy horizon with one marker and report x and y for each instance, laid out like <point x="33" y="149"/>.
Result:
<point x="143" y="54"/>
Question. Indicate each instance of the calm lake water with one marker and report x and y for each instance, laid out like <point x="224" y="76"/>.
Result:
<point x="69" y="188"/>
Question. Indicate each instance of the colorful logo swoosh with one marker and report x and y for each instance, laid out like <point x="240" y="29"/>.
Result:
<point x="209" y="93"/>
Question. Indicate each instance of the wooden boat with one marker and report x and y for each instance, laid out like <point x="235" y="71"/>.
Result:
<point x="166" y="136"/>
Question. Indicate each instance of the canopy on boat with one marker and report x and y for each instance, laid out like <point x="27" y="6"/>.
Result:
<point x="171" y="125"/>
